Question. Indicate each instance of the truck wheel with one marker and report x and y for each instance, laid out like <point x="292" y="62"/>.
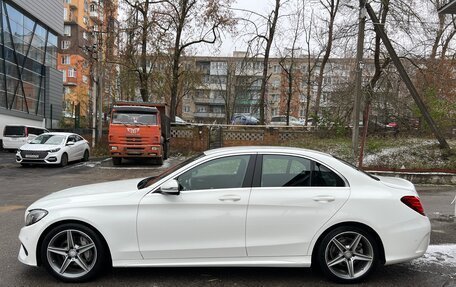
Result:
<point x="165" y="150"/>
<point x="116" y="160"/>
<point x="160" y="160"/>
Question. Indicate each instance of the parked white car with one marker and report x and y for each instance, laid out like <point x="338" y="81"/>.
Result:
<point x="54" y="148"/>
<point x="282" y="121"/>
<point x="243" y="206"/>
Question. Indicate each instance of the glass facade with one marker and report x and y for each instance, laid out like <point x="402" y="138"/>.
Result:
<point x="26" y="48"/>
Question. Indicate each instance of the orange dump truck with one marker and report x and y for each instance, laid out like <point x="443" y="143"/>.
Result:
<point x="139" y="130"/>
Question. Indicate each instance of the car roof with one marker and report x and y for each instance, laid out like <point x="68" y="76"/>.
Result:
<point x="28" y="126"/>
<point x="60" y="133"/>
<point x="263" y="149"/>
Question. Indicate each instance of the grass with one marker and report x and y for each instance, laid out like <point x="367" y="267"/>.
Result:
<point x="388" y="152"/>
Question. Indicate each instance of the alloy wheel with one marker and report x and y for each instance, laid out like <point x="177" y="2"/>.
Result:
<point x="71" y="253"/>
<point x="349" y="255"/>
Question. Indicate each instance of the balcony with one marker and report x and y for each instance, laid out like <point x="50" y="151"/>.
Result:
<point x="215" y="102"/>
<point x="209" y="115"/>
<point x="95" y="16"/>
<point x="71" y="20"/>
<point x="70" y="81"/>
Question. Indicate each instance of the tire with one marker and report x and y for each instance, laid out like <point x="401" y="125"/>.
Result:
<point x="64" y="160"/>
<point x="116" y="160"/>
<point x="73" y="253"/>
<point x="86" y="155"/>
<point x="159" y="160"/>
<point x="348" y="254"/>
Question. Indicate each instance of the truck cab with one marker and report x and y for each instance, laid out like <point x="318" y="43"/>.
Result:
<point x="138" y="131"/>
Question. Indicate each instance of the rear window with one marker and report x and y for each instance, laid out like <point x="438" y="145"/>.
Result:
<point x="10" y="131"/>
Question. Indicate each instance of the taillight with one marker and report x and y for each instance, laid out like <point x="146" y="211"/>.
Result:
<point x="414" y="203"/>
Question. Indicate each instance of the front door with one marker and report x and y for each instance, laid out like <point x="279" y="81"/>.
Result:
<point x="207" y="219"/>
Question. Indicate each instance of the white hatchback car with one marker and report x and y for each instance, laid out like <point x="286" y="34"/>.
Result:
<point x="54" y="148"/>
<point x="244" y="206"/>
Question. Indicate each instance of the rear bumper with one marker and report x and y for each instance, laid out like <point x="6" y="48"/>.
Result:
<point x="407" y="241"/>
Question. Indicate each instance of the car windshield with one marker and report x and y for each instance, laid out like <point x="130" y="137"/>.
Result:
<point x="134" y="118"/>
<point x="356" y="168"/>
<point x="48" y="139"/>
<point x="148" y="181"/>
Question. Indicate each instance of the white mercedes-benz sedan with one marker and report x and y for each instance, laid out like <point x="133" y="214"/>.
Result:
<point x="243" y="206"/>
<point x="54" y="148"/>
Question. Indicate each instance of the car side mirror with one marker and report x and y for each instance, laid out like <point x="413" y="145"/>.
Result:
<point x="171" y="187"/>
<point x="70" y="143"/>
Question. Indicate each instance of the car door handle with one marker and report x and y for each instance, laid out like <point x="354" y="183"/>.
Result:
<point x="230" y="197"/>
<point x="324" y="198"/>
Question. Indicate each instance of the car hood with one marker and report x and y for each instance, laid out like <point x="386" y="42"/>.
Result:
<point x="99" y="192"/>
<point x="396" y="182"/>
<point x="41" y="147"/>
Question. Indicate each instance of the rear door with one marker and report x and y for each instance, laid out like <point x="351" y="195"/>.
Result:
<point x="293" y="198"/>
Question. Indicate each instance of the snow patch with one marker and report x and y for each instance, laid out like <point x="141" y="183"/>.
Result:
<point x="443" y="255"/>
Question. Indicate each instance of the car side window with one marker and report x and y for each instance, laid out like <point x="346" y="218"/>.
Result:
<point x="323" y="176"/>
<point x="282" y="170"/>
<point x="227" y="172"/>
<point x="71" y="139"/>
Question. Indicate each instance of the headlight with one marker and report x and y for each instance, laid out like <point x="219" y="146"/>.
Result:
<point x="54" y="150"/>
<point x="34" y="216"/>
<point x="113" y="148"/>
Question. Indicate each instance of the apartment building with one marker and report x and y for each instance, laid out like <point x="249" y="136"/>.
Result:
<point x="86" y="42"/>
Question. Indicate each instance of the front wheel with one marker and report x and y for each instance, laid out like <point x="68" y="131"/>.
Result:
<point x="348" y="254"/>
<point x="64" y="160"/>
<point x="73" y="253"/>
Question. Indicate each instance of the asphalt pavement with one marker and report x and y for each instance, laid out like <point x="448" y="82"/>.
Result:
<point x="20" y="186"/>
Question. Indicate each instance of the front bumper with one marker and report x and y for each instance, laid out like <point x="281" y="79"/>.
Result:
<point x="29" y="237"/>
<point x="136" y="151"/>
<point x="51" y="158"/>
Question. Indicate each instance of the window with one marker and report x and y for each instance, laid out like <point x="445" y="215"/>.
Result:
<point x="71" y="73"/>
<point x="85" y="79"/>
<point x="227" y="172"/>
<point x="186" y="109"/>
<point x="64" y="75"/>
<point x="85" y="35"/>
<point x="281" y="170"/>
<point x="67" y="30"/>
<point x="85" y="20"/>
<point x="65" y="14"/>
<point x="65" y="60"/>
<point x="65" y="44"/>
<point x="323" y="176"/>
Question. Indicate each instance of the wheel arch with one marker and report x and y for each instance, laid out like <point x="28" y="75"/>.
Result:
<point x="363" y="226"/>
<point x="55" y="224"/>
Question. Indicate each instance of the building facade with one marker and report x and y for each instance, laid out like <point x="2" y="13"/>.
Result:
<point x="87" y="41"/>
<point x="30" y="84"/>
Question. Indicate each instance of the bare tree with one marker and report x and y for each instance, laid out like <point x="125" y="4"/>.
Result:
<point x="192" y="22"/>
<point x="331" y="7"/>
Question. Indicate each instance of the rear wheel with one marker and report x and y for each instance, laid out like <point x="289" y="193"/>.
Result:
<point x="73" y="253"/>
<point x="86" y="156"/>
<point x="348" y="254"/>
<point x="64" y="160"/>
<point x="116" y="160"/>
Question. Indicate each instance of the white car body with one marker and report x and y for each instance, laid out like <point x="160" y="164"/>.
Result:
<point x="249" y="226"/>
<point x="31" y="153"/>
<point x="14" y="141"/>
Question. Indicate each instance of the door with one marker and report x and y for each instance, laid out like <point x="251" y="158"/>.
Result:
<point x="294" y="197"/>
<point x="207" y="218"/>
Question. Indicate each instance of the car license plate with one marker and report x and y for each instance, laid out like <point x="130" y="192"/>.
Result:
<point x="31" y="156"/>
